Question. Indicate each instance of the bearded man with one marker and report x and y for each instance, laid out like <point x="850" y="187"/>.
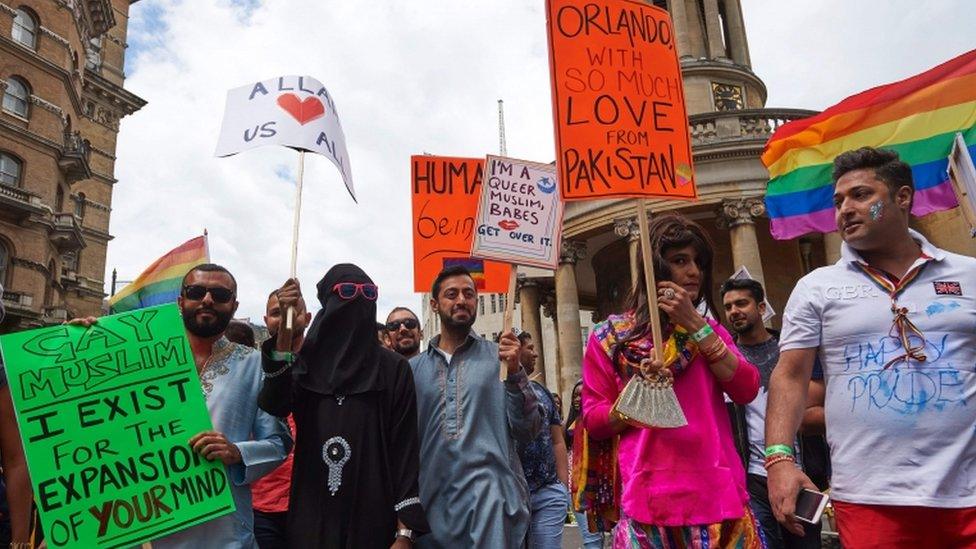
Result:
<point x="471" y="481"/>
<point x="250" y="442"/>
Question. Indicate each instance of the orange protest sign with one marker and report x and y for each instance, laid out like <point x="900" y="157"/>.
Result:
<point x="445" y="193"/>
<point x="618" y="102"/>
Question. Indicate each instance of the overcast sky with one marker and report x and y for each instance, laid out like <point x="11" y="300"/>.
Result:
<point x="407" y="78"/>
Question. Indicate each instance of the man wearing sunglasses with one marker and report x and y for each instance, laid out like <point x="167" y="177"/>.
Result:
<point x="471" y="481"/>
<point x="250" y="442"/>
<point x="403" y="330"/>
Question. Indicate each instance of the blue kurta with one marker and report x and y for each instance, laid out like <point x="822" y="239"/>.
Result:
<point x="231" y="382"/>
<point x="471" y="481"/>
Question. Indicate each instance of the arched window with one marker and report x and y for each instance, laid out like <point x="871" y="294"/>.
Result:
<point x="80" y="206"/>
<point x="25" y="28"/>
<point x="10" y="170"/>
<point x="16" y="98"/>
<point x="59" y="200"/>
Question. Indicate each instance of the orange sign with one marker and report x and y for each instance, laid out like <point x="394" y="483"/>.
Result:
<point x="445" y="204"/>
<point x="618" y="101"/>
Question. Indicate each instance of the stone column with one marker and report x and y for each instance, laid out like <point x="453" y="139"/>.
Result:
<point x="696" y="31"/>
<point x="713" y="28"/>
<point x="739" y="45"/>
<point x="737" y="215"/>
<point x="627" y="228"/>
<point x="532" y="322"/>
<point x="552" y="370"/>
<point x="568" y="330"/>
<point x="679" y="17"/>
<point x="832" y="242"/>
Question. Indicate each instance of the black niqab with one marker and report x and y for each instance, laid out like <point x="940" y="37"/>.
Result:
<point x="340" y="355"/>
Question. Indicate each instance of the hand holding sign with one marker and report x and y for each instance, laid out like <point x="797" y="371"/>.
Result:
<point x="214" y="446"/>
<point x="508" y="351"/>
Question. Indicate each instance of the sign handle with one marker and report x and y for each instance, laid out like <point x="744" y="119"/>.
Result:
<point x="649" y="283"/>
<point x="508" y="318"/>
<point x="289" y="320"/>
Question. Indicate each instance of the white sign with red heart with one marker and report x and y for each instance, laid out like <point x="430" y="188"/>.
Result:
<point x="292" y="111"/>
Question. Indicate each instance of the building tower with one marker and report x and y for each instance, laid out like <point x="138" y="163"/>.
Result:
<point x="61" y="80"/>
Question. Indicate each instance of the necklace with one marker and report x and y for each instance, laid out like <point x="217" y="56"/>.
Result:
<point x="222" y="349"/>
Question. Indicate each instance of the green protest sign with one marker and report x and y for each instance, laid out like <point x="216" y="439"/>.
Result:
<point x="106" y="414"/>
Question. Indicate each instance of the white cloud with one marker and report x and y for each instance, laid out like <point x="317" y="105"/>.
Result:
<point x="408" y="77"/>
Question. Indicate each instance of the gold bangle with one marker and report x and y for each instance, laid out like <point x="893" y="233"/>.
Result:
<point x="713" y="347"/>
<point x="716" y="351"/>
<point x="720" y="356"/>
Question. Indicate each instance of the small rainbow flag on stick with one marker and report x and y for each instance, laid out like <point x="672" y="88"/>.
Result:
<point x="917" y="117"/>
<point x="160" y="282"/>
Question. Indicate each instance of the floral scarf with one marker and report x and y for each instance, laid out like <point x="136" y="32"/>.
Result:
<point x="594" y="482"/>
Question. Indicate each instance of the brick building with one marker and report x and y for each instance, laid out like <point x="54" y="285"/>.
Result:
<point x="61" y="82"/>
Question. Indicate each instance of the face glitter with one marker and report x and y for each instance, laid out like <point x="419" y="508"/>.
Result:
<point x="876" y="210"/>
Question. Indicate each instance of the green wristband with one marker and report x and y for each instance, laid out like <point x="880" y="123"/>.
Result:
<point x="702" y="333"/>
<point x="282" y="356"/>
<point x="779" y="449"/>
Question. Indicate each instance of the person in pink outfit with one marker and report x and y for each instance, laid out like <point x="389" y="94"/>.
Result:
<point x="667" y="487"/>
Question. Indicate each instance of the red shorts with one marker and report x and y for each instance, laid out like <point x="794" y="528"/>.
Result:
<point x="902" y="527"/>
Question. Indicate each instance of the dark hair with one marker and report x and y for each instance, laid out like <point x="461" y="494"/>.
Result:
<point x="666" y="232"/>
<point x="753" y="286"/>
<point x="886" y="164"/>
<point x="380" y="327"/>
<point x="448" y="272"/>
<point x="274" y="293"/>
<point x="396" y="309"/>
<point x="240" y="332"/>
<point x="211" y="268"/>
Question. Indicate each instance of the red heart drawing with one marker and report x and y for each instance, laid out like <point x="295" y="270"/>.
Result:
<point x="303" y="111"/>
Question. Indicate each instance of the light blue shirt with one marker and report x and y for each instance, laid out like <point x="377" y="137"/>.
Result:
<point x="231" y="383"/>
<point x="471" y="481"/>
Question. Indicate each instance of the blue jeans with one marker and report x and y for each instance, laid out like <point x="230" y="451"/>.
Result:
<point x="591" y="540"/>
<point x="548" y="505"/>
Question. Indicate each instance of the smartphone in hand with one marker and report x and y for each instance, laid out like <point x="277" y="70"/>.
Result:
<point x="809" y="506"/>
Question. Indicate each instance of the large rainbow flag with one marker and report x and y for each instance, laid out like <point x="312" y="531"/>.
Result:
<point x="917" y="117"/>
<point x="160" y="282"/>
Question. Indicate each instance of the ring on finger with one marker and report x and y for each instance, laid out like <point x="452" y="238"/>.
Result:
<point x="669" y="293"/>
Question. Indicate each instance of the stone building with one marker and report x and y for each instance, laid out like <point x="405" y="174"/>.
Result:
<point x="61" y="81"/>
<point x="729" y="124"/>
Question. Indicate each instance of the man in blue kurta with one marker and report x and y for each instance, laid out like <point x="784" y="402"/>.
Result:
<point x="249" y="441"/>
<point x="471" y="482"/>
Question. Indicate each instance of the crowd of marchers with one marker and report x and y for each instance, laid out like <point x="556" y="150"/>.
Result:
<point x="339" y="432"/>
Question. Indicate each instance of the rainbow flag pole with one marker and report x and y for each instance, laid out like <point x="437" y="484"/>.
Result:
<point x="918" y="118"/>
<point x="160" y="282"/>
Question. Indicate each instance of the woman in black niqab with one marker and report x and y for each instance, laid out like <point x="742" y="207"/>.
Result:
<point x="355" y="475"/>
<point x="340" y="353"/>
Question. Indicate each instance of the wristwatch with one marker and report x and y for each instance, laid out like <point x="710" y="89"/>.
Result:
<point x="406" y="533"/>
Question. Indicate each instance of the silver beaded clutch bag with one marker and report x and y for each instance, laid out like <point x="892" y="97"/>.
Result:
<point x="649" y="403"/>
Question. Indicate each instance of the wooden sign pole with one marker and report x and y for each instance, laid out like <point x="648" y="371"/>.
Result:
<point x="649" y="282"/>
<point x="290" y="318"/>
<point x="509" y="317"/>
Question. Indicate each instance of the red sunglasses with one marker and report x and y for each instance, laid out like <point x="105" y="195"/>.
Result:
<point x="348" y="290"/>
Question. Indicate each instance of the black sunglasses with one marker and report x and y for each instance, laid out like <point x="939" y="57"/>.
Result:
<point x="394" y="325"/>
<point x="218" y="294"/>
